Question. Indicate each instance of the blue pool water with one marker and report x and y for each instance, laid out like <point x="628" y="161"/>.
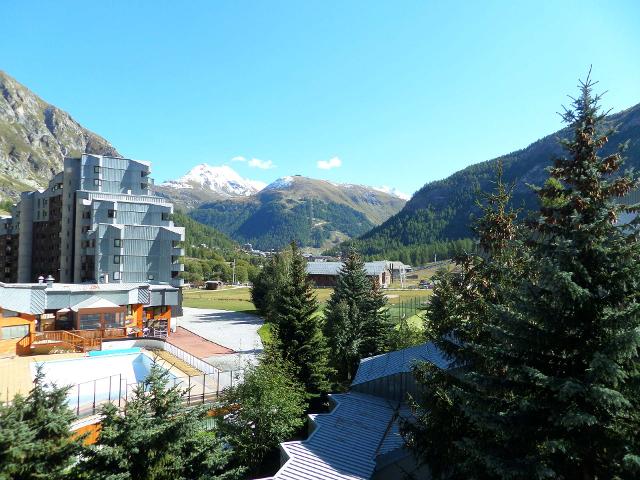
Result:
<point x="98" y="378"/>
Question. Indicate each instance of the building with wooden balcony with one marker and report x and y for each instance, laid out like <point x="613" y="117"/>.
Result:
<point x="48" y="317"/>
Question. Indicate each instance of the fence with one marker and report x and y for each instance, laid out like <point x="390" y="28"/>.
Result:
<point x="195" y="362"/>
<point x="88" y="398"/>
<point x="408" y="307"/>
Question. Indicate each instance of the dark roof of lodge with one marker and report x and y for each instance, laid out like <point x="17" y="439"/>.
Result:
<point x="333" y="268"/>
<point x="347" y="441"/>
<point x="399" y="361"/>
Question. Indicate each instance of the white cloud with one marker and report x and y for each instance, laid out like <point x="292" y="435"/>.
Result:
<point x="261" y="164"/>
<point x="239" y="158"/>
<point x="334" y="162"/>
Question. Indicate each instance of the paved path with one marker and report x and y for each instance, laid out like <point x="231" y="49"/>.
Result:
<point x="235" y="330"/>
<point x="195" y="344"/>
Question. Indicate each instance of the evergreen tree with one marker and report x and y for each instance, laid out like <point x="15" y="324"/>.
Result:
<point x="35" y="437"/>
<point x="573" y="326"/>
<point x="298" y="327"/>
<point x="273" y="277"/>
<point x="157" y="438"/>
<point x="357" y="322"/>
<point x="546" y="378"/>
<point x="452" y="414"/>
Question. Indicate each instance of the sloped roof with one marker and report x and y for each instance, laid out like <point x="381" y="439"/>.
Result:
<point x="94" y="302"/>
<point x="397" y="362"/>
<point x="333" y="268"/>
<point x="347" y="441"/>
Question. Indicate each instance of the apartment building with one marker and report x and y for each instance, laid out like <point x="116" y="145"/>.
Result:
<point x="97" y="222"/>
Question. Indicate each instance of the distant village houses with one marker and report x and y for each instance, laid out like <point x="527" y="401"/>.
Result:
<point x="325" y="274"/>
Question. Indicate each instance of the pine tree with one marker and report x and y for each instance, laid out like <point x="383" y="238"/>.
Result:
<point x="357" y="322"/>
<point x="157" y="438"/>
<point x="298" y="327"/>
<point x="35" y="436"/>
<point x="546" y="378"/>
<point x="574" y="324"/>
<point x="453" y="414"/>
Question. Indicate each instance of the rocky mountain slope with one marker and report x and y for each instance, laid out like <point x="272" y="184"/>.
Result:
<point x="35" y="136"/>
<point x="441" y="210"/>
<point x="316" y="213"/>
<point x="205" y="183"/>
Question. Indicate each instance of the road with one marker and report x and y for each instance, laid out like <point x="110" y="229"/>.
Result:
<point x="235" y="330"/>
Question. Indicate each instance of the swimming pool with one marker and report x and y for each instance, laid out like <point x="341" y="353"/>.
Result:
<point x="96" y="379"/>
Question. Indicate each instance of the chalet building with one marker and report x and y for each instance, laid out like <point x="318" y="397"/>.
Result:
<point x="325" y="274"/>
<point x="45" y="317"/>
<point x="360" y="438"/>
<point x="97" y="221"/>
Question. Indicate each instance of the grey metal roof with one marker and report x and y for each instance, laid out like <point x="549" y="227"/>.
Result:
<point x="346" y="442"/>
<point x="397" y="362"/>
<point x="333" y="268"/>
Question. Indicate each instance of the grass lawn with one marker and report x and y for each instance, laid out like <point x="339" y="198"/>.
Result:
<point x="234" y="299"/>
<point x="400" y="302"/>
<point x="266" y="334"/>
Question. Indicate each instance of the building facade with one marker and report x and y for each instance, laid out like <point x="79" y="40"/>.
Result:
<point x="39" y="317"/>
<point x="325" y="274"/>
<point x="97" y="222"/>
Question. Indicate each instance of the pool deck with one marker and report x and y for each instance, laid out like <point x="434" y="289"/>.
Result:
<point x="195" y="344"/>
<point x="15" y="373"/>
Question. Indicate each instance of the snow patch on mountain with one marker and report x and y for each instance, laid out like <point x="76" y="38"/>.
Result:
<point x="280" y="183"/>
<point x="393" y="191"/>
<point x="222" y="180"/>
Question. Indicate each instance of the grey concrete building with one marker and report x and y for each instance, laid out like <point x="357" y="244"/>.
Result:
<point x="97" y="222"/>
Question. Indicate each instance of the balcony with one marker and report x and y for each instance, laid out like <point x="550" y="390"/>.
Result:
<point x="177" y="282"/>
<point x="177" y="267"/>
<point x="177" y="252"/>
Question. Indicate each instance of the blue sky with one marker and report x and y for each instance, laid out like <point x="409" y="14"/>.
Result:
<point x="401" y="92"/>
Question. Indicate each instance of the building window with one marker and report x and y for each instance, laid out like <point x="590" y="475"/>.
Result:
<point x="116" y="259"/>
<point x="116" y="275"/>
<point x="143" y="186"/>
<point x="96" y="169"/>
<point x="90" y="322"/>
<point x="117" y="242"/>
<point x="111" y="213"/>
<point x="166" y="216"/>
<point x="97" y="182"/>
<point x="15" y="331"/>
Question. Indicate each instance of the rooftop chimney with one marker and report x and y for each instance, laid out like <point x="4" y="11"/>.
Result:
<point x="49" y="281"/>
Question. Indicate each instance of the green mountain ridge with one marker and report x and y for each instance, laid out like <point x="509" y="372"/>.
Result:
<point x="315" y="213"/>
<point x="441" y="211"/>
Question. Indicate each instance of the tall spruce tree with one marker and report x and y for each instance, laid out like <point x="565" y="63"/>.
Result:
<point x="35" y="434"/>
<point x="547" y="380"/>
<point x="573" y="325"/>
<point x="357" y="322"/>
<point x="460" y="321"/>
<point x="298" y="327"/>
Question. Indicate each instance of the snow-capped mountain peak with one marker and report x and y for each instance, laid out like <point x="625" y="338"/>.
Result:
<point x="222" y="180"/>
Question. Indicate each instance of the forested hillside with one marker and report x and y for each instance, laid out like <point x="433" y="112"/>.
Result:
<point x="197" y="234"/>
<point x="312" y="212"/>
<point x="441" y="211"/>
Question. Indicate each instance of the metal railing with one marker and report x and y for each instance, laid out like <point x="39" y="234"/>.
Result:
<point x="88" y="398"/>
